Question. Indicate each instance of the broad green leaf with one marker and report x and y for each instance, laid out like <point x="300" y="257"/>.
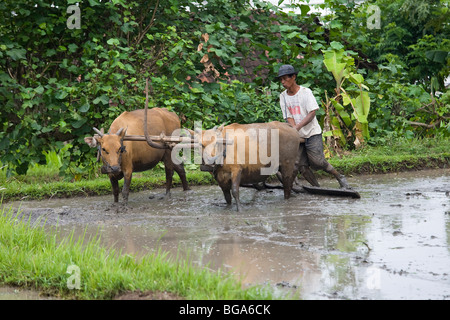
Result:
<point x="333" y="63"/>
<point x="36" y="126"/>
<point x="50" y="52"/>
<point x="16" y="54"/>
<point x="439" y="56"/>
<point x="113" y="42"/>
<point x="72" y="47"/>
<point x="77" y="124"/>
<point x="85" y="107"/>
<point x="345" y="98"/>
<point x="337" y="132"/>
<point x="208" y="99"/>
<point x="39" y="89"/>
<point x="102" y="99"/>
<point x="305" y="9"/>
<point x="356" y="78"/>
<point x="61" y="94"/>
<point x="94" y="3"/>
<point x="336" y="45"/>
<point x="345" y="116"/>
<point x="362" y="106"/>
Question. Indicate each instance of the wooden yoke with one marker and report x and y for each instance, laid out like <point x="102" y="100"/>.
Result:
<point x="172" y="140"/>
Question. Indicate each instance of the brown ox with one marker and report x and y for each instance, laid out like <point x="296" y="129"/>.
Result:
<point x="259" y="150"/>
<point x="122" y="158"/>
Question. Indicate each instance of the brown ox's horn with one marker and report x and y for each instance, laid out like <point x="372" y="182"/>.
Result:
<point x="211" y="160"/>
<point x="119" y="131"/>
<point x="99" y="132"/>
<point x="150" y="142"/>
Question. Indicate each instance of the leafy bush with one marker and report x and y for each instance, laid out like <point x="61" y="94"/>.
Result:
<point x="56" y="83"/>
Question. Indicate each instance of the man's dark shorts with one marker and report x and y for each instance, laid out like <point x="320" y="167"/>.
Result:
<point x="311" y="154"/>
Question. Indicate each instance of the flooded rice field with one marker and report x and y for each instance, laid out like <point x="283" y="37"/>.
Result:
<point x="393" y="243"/>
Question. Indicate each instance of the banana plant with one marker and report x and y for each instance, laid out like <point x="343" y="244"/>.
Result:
<point x="347" y="111"/>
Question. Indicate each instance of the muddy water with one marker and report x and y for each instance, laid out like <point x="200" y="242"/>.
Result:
<point x="393" y="243"/>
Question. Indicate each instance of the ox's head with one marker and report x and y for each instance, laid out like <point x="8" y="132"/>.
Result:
<point x="110" y="148"/>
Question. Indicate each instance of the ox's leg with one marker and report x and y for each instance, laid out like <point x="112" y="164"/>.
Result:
<point x="169" y="176"/>
<point x="288" y="173"/>
<point x="169" y="168"/>
<point x="126" y="186"/>
<point x="115" y="187"/>
<point x="226" y="189"/>
<point x="227" y="195"/>
<point x="235" y="182"/>
<point x="179" y="168"/>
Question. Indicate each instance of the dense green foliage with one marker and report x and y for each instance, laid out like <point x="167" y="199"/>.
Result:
<point x="56" y="83"/>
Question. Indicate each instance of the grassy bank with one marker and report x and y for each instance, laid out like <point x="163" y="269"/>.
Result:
<point x="48" y="184"/>
<point x="396" y="156"/>
<point x="33" y="257"/>
<point x="44" y="181"/>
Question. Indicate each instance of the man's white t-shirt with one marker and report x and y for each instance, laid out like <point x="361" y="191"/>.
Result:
<point x="297" y="107"/>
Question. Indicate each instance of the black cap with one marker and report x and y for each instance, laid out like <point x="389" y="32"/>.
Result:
<point x="286" y="69"/>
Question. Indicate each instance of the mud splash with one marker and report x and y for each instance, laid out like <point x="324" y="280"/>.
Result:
<point x="393" y="243"/>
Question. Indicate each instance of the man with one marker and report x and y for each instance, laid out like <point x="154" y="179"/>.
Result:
<point x="299" y="109"/>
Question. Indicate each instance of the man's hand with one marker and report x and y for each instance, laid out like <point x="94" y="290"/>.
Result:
<point x="309" y="117"/>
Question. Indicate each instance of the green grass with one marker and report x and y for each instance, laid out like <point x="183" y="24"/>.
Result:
<point x="396" y="156"/>
<point x="33" y="257"/>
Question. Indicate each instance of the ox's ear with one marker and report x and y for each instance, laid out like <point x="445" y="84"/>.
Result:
<point x="91" y="141"/>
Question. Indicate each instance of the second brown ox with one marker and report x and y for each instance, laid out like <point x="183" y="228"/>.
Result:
<point x="259" y="150"/>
